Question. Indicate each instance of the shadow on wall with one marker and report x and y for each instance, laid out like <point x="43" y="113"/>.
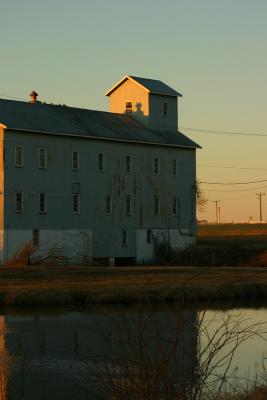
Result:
<point x="138" y="114"/>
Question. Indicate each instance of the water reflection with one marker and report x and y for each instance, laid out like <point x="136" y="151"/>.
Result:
<point x="62" y="356"/>
<point x="72" y="355"/>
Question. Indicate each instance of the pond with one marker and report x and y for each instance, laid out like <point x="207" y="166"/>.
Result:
<point x="94" y="353"/>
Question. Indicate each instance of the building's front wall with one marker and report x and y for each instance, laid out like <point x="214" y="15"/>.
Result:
<point x="93" y="233"/>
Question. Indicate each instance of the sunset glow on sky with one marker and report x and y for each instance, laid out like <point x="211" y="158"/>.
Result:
<point x="211" y="51"/>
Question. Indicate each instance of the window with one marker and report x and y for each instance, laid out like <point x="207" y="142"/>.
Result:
<point x="76" y="189"/>
<point x="128" y="164"/>
<point x="76" y="198"/>
<point x="148" y="236"/>
<point x="174" y="205"/>
<point x="174" y="167"/>
<point x="165" y="109"/>
<point x="156" y="166"/>
<point x="129" y="107"/>
<point x="124" y="238"/>
<point x="42" y="203"/>
<point x="35" y="237"/>
<point x="42" y="158"/>
<point x="108" y="205"/>
<point x="75" y="160"/>
<point x="100" y="162"/>
<point x="19" y="202"/>
<point x="128" y="205"/>
<point x="19" y="156"/>
<point x="156" y="206"/>
<point x="76" y="203"/>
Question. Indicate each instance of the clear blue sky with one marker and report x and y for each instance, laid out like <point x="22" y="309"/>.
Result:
<point x="212" y="51"/>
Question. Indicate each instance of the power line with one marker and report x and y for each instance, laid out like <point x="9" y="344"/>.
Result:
<point x="223" y="132"/>
<point x="232" y="191"/>
<point x="230" y="167"/>
<point x="12" y="97"/>
<point x="234" y="183"/>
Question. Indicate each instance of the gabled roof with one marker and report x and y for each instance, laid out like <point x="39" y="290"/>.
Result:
<point x="77" y="122"/>
<point x="150" y="85"/>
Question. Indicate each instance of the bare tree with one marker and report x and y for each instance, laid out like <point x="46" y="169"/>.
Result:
<point x="201" y="199"/>
<point x="207" y="371"/>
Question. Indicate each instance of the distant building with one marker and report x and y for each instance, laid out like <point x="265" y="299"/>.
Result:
<point x="89" y="185"/>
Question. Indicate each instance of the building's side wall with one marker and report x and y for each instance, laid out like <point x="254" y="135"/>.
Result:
<point x="131" y="91"/>
<point x="157" y="119"/>
<point x="93" y="233"/>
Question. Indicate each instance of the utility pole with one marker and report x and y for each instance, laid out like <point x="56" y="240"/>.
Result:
<point x="218" y="219"/>
<point x="259" y="197"/>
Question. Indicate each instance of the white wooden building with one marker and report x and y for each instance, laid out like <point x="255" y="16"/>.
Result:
<point x="92" y="185"/>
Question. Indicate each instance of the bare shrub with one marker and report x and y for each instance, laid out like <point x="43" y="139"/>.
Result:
<point x="52" y="256"/>
<point x="22" y="257"/>
<point x="163" y="253"/>
<point x="201" y="199"/>
<point x="148" y="368"/>
<point x="28" y="254"/>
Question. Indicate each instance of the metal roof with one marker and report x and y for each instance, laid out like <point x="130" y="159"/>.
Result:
<point x="70" y="121"/>
<point x="155" y="86"/>
<point x="151" y="85"/>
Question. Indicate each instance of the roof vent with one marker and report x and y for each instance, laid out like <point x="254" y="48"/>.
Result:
<point x="33" y="96"/>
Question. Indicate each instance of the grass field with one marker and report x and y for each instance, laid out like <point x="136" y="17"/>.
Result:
<point x="232" y="230"/>
<point x="227" y="245"/>
<point x="42" y="285"/>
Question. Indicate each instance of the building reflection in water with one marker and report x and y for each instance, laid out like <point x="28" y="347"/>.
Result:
<point x="61" y="356"/>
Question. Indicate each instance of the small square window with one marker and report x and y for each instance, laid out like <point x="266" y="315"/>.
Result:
<point x="165" y="109"/>
<point x="42" y="153"/>
<point x="100" y="162"/>
<point x="129" y="107"/>
<point x="156" y="166"/>
<point x="149" y="236"/>
<point x="174" y="167"/>
<point x="19" y="156"/>
<point x="156" y="206"/>
<point x="124" y="238"/>
<point x="75" y="160"/>
<point x="76" y="203"/>
<point x="174" y="206"/>
<point x="19" y="202"/>
<point x="128" y="164"/>
<point x="108" y="205"/>
<point x="42" y="203"/>
<point x="128" y="205"/>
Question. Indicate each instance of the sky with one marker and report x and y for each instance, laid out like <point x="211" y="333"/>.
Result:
<point x="211" y="51"/>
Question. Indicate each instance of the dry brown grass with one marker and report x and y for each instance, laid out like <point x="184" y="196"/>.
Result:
<point x="22" y="256"/>
<point x="259" y="393"/>
<point x="68" y="285"/>
<point x="232" y="230"/>
<point x="226" y="245"/>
